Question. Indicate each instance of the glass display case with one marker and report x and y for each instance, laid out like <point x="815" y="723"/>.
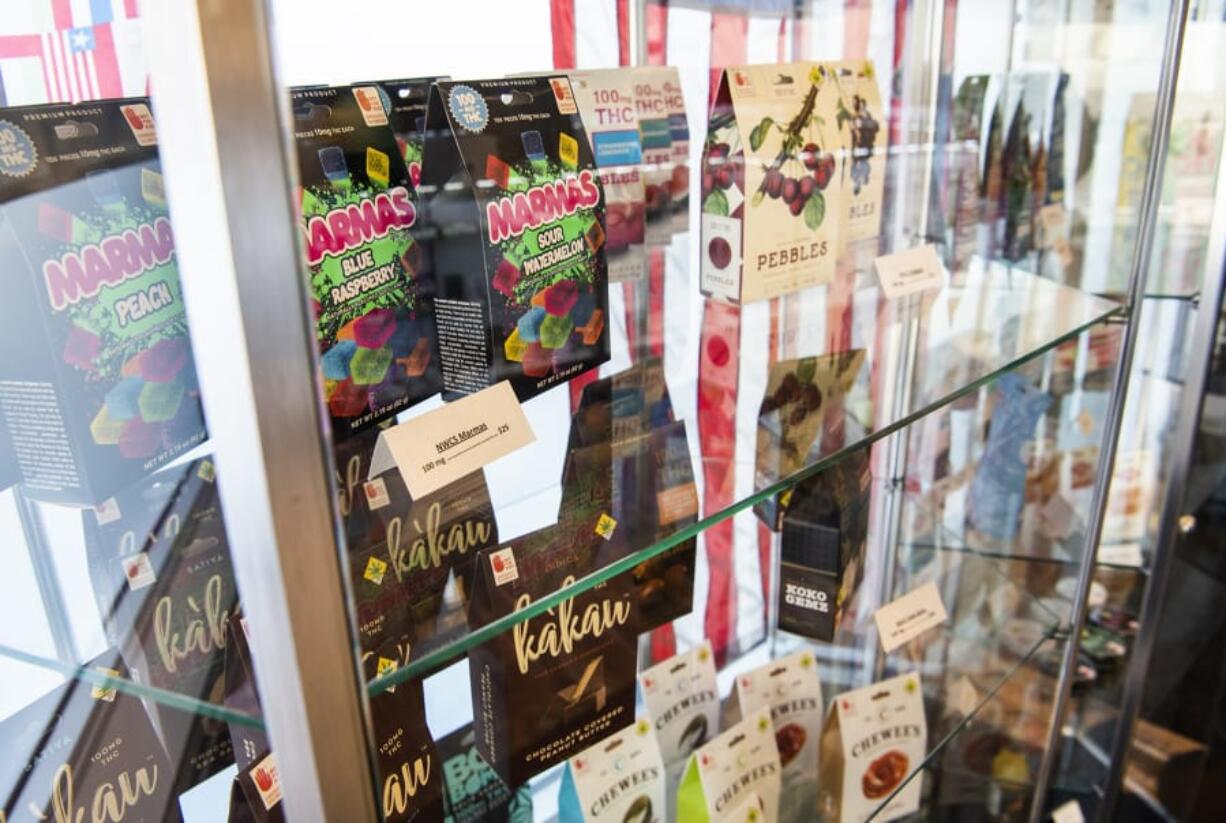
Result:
<point x="592" y="410"/>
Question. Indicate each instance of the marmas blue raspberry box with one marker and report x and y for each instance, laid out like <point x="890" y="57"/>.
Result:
<point x="97" y="382"/>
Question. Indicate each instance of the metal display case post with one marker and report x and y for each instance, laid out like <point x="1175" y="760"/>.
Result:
<point x="222" y="118"/>
<point x="1151" y="197"/>
<point x="1167" y="535"/>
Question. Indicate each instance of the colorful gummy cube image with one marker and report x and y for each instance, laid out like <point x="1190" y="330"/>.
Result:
<point x="404" y="338"/>
<point x="555" y="331"/>
<point x="583" y="308"/>
<point x="369" y="366"/>
<point x="411" y="259"/>
<point x="104" y="429"/>
<point x="538" y="361"/>
<point x="513" y="347"/>
<point x="560" y="297"/>
<point x="163" y="362"/>
<point x="538" y="299"/>
<point x="594" y="237"/>
<point x="54" y="222"/>
<point x="505" y="278"/>
<point x="374" y="328"/>
<point x="529" y="324"/>
<point x="103" y="188"/>
<point x="158" y="402"/>
<point x="534" y="145"/>
<point x="348" y="400"/>
<point x="152" y="188"/>
<point x="139" y="439"/>
<point x="335" y="361"/>
<point x="592" y="328"/>
<point x="346" y="332"/>
<point x="131" y="366"/>
<point x="122" y="402"/>
<point x="187" y="422"/>
<point x="415" y="364"/>
<point x="81" y="347"/>
<point x="497" y="171"/>
<point x="388" y="392"/>
<point x="330" y="388"/>
<point x="332" y="160"/>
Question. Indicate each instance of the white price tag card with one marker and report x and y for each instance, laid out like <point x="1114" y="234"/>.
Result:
<point x="444" y="445"/>
<point x="1070" y="812"/>
<point x="909" y="616"/>
<point x="1052" y="218"/>
<point x="1121" y="554"/>
<point x="910" y="271"/>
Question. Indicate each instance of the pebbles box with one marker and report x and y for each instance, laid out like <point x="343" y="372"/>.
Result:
<point x="96" y="380"/>
<point x="515" y="212"/>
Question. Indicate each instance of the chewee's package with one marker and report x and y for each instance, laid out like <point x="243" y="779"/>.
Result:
<point x="681" y="698"/>
<point x="515" y="234"/>
<point x="82" y="749"/>
<point x="474" y="792"/>
<point x="159" y="562"/>
<point x="410" y="771"/>
<point x="620" y="779"/>
<point x="873" y="738"/>
<point x="560" y="682"/>
<point x="771" y="210"/>
<point x="372" y="299"/>
<point x="606" y="103"/>
<point x="97" y="382"/>
<point x="791" y="689"/>
<point x="721" y="774"/>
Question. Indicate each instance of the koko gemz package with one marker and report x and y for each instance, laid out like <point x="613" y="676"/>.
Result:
<point x="517" y="233"/>
<point x="771" y="210"/>
<point x="410" y="773"/>
<point x="606" y="103"/>
<point x="372" y="300"/>
<point x="559" y="682"/>
<point x="722" y="773"/>
<point x="474" y="792"/>
<point x="824" y="537"/>
<point x="97" y="384"/>
<point x="791" y="689"/>
<point x="411" y="553"/>
<point x="82" y="749"/>
<point x="620" y="779"/>
<point x="159" y="562"/>
<point x="873" y="738"/>
<point x="681" y="698"/>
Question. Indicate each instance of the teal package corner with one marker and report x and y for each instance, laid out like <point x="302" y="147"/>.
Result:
<point x="97" y="381"/>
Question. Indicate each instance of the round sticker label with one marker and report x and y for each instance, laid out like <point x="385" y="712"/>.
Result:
<point x="18" y="157"/>
<point x="468" y="108"/>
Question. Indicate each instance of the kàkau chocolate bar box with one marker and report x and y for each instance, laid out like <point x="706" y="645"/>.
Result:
<point x="159" y="562"/>
<point x="372" y="297"/>
<point x="258" y="776"/>
<point x="559" y="682"/>
<point x="515" y="211"/>
<point x="771" y="204"/>
<point x="97" y="383"/>
<point x="606" y="103"/>
<point x="85" y="752"/>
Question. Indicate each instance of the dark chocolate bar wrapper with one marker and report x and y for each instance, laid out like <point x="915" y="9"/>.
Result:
<point x="97" y="382"/>
<point x="824" y="536"/>
<point x="159" y="562"/>
<point x="83" y="748"/>
<point x="474" y="792"/>
<point x="559" y="682"/>
<point x="514" y="218"/>
<point x="369" y="281"/>
<point x="242" y="695"/>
